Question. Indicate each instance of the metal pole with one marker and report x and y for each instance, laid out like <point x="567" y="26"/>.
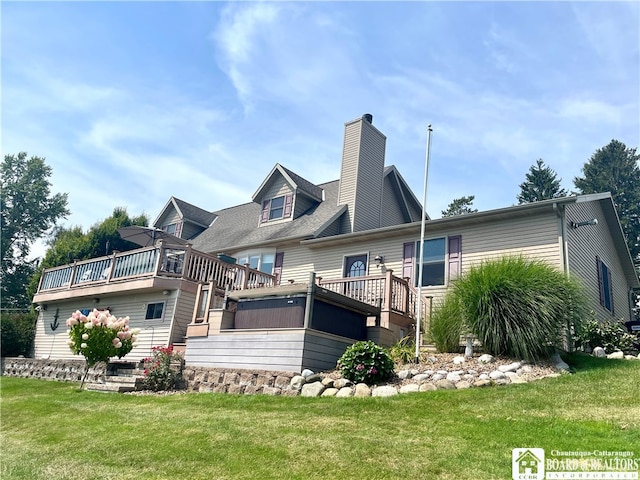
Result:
<point x="421" y="254"/>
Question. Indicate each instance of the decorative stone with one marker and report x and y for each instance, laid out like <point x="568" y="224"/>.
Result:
<point x="427" y="387"/>
<point x="616" y="355"/>
<point x="502" y="381"/>
<point x="510" y="375"/>
<point x="482" y="383"/>
<point x="486" y="358"/>
<point x="512" y="367"/>
<point x="437" y="377"/>
<point x="315" y="377"/>
<point x="420" y="378"/>
<point x="384" y="391"/>
<point x="599" y="352"/>
<point x="463" y="384"/>
<point x="297" y="382"/>
<point x="453" y="377"/>
<point x="236" y="389"/>
<point x="347" y="392"/>
<point x="524" y="369"/>
<point x="312" y="389"/>
<point x="630" y="357"/>
<point x="517" y="379"/>
<point x="328" y="382"/>
<point x="442" y="372"/>
<point x="410" y="388"/>
<point x="414" y="372"/>
<point x="483" y="376"/>
<point x="459" y="360"/>
<point x="329" y="392"/>
<point x="404" y="374"/>
<point x="468" y="377"/>
<point x="341" y="383"/>
<point x="445" y="385"/>
<point x="429" y="372"/>
<point x="306" y="373"/>
<point x="362" y="390"/>
<point x="472" y="372"/>
<point x="496" y="375"/>
<point x="283" y="382"/>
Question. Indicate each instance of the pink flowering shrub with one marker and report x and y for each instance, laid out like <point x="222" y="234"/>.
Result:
<point x="366" y="362"/>
<point x="100" y="336"/>
<point x="163" y="371"/>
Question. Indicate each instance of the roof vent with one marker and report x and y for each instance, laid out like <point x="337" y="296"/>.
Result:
<point x="368" y="117"/>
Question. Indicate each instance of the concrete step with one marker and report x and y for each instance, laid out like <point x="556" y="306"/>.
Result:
<point x="127" y="372"/>
<point x="124" y="379"/>
<point x="109" y="387"/>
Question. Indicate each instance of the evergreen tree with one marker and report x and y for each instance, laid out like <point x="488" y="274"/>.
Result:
<point x="542" y="183"/>
<point x="460" y="206"/>
<point x="615" y="168"/>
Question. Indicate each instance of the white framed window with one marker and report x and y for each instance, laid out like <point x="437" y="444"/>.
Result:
<point x="433" y="262"/>
<point x="171" y="228"/>
<point x="605" y="285"/>
<point x="262" y="260"/>
<point x="276" y="209"/>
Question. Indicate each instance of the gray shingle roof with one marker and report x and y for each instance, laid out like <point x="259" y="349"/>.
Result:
<point x="303" y="184"/>
<point x="238" y="227"/>
<point x="194" y="214"/>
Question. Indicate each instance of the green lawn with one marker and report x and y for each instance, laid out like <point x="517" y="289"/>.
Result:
<point x="54" y="430"/>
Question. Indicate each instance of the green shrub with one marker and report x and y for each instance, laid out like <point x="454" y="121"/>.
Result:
<point x="403" y="351"/>
<point x="610" y="335"/>
<point x="519" y="307"/>
<point x="163" y="371"/>
<point x="366" y="362"/>
<point x="18" y="331"/>
<point x="447" y="324"/>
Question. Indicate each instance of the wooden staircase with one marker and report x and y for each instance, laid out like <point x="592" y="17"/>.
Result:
<point x="120" y="377"/>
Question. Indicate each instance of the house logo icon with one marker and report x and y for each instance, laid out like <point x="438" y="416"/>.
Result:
<point x="527" y="463"/>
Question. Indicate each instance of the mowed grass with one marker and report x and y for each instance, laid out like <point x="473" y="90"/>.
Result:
<point x="54" y="430"/>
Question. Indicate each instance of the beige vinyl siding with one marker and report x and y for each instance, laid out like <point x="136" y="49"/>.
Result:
<point x="183" y="313"/>
<point x="361" y="174"/>
<point x="171" y="216"/>
<point x="190" y="230"/>
<point x="533" y="236"/>
<point x="390" y="211"/>
<point x="584" y="244"/>
<point x="53" y="344"/>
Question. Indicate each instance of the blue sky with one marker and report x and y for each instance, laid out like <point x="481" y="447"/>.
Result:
<point x="132" y="102"/>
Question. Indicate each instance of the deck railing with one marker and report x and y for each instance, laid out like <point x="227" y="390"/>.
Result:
<point x="161" y="260"/>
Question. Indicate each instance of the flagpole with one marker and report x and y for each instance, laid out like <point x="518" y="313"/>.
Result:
<point x="421" y="249"/>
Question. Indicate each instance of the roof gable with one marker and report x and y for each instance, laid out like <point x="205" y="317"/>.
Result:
<point x="187" y="212"/>
<point x="298" y="184"/>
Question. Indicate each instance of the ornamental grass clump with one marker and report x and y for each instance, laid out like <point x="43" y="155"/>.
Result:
<point x="366" y="362"/>
<point x="519" y="307"/>
<point x="163" y="371"/>
<point x="446" y="324"/>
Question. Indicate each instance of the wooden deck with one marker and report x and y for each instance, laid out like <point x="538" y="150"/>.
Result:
<point x="162" y="260"/>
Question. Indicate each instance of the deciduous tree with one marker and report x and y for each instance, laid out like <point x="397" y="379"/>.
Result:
<point x="28" y="210"/>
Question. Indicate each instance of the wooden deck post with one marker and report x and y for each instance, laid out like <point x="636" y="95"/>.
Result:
<point x="308" y="308"/>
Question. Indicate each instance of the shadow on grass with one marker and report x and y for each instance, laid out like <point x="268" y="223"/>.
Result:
<point x="580" y="362"/>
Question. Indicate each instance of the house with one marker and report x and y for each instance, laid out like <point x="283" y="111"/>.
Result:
<point x="288" y="280"/>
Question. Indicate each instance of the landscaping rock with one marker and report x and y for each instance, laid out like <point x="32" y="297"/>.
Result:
<point x="384" y="391"/>
<point x="497" y="375"/>
<point x="616" y="355"/>
<point x="297" y="382"/>
<point x="630" y="357"/>
<point x="271" y="390"/>
<point x="347" y="392"/>
<point x="459" y="360"/>
<point x="512" y="367"/>
<point x="445" y="385"/>
<point x="329" y="392"/>
<point x="483" y="383"/>
<point x="486" y="358"/>
<point x="315" y="377"/>
<point x="312" y="389"/>
<point x="599" y="352"/>
<point x="463" y="384"/>
<point x="437" y="377"/>
<point x="362" y="390"/>
<point x="410" y="388"/>
<point x="483" y="376"/>
<point x="341" y="383"/>
<point x="404" y="374"/>
<point x="442" y="372"/>
<point x="453" y="377"/>
<point x="427" y="387"/>
<point x="328" y="382"/>
<point x="306" y="373"/>
<point x="518" y="379"/>
<point x="421" y="377"/>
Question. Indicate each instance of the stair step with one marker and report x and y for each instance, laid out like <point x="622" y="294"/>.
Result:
<point x="109" y="387"/>
<point x="129" y="380"/>
<point x="128" y="372"/>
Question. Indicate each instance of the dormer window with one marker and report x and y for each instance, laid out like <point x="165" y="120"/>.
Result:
<point x="276" y="208"/>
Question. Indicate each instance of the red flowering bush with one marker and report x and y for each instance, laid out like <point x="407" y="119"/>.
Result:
<point x="163" y="371"/>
